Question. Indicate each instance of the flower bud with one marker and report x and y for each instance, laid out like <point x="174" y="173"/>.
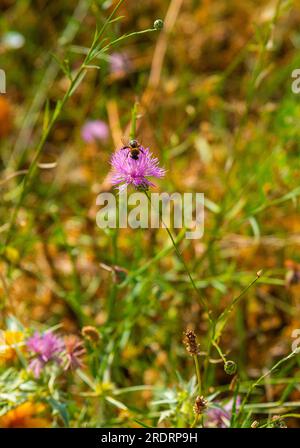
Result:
<point x="230" y="367"/>
<point x="158" y="24"/>
<point x="90" y="333"/>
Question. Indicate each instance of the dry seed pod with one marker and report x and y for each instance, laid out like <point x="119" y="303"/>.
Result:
<point x="200" y="405"/>
<point x="190" y="342"/>
<point x="90" y="333"/>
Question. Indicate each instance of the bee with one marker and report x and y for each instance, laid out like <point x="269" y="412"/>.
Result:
<point x="134" y="148"/>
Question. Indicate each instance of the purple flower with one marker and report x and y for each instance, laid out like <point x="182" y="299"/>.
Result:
<point x="46" y="347"/>
<point x="119" y="63"/>
<point x="94" y="130"/>
<point x="126" y="170"/>
<point x="220" y="416"/>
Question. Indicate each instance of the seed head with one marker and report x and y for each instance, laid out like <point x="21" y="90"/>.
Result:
<point x="190" y="342"/>
<point x="200" y="405"/>
<point x="91" y="333"/>
<point x="74" y="353"/>
<point x="255" y="424"/>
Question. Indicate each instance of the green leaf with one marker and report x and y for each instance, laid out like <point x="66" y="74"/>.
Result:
<point x="61" y="408"/>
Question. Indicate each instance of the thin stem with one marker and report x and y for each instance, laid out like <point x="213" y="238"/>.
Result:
<point x="198" y="374"/>
<point x="33" y="166"/>
<point x="223" y="318"/>
<point x="186" y="269"/>
<point x="194" y="424"/>
<point x="258" y="381"/>
<point x="106" y="23"/>
<point x="181" y="259"/>
<point x="219" y="351"/>
<point x="126" y="36"/>
<point x="132" y="133"/>
<point x="196" y="360"/>
<point x="114" y="289"/>
<point x="92" y="53"/>
<point x="32" y="115"/>
<point x="278" y="419"/>
<point x="202" y="300"/>
<point x="165" y="251"/>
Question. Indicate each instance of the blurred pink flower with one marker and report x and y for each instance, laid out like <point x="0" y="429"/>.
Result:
<point x="119" y="63"/>
<point x="220" y="416"/>
<point x="94" y="130"/>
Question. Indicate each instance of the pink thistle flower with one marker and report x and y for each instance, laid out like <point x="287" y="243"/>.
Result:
<point x="74" y="353"/>
<point x="126" y="171"/>
<point x="46" y="347"/>
<point x="119" y="63"/>
<point x="94" y="130"/>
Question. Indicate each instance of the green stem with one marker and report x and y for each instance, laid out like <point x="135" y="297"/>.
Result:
<point x="198" y="374"/>
<point x="132" y="134"/>
<point x="114" y="289"/>
<point x="277" y="419"/>
<point x="126" y="36"/>
<point x="92" y="53"/>
<point x="218" y="348"/>
<point x="165" y="251"/>
<point x="257" y="382"/>
<point x="181" y="259"/>
<point x="203" y="302"/>
<point x="223" y="318"/>
<point x="194" y="424"/>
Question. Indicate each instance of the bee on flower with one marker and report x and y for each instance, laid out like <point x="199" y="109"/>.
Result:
<point x="133" y="164"/>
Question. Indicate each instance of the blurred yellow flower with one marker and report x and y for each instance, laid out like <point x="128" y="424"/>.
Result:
<point x="103" y="389"/>
<point x="9" y="341"/>
<point x="24" y="416"/>
<point x="12" y="254"/>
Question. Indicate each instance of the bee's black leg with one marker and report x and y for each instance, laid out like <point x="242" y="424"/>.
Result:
<point x="126" y="147"/>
